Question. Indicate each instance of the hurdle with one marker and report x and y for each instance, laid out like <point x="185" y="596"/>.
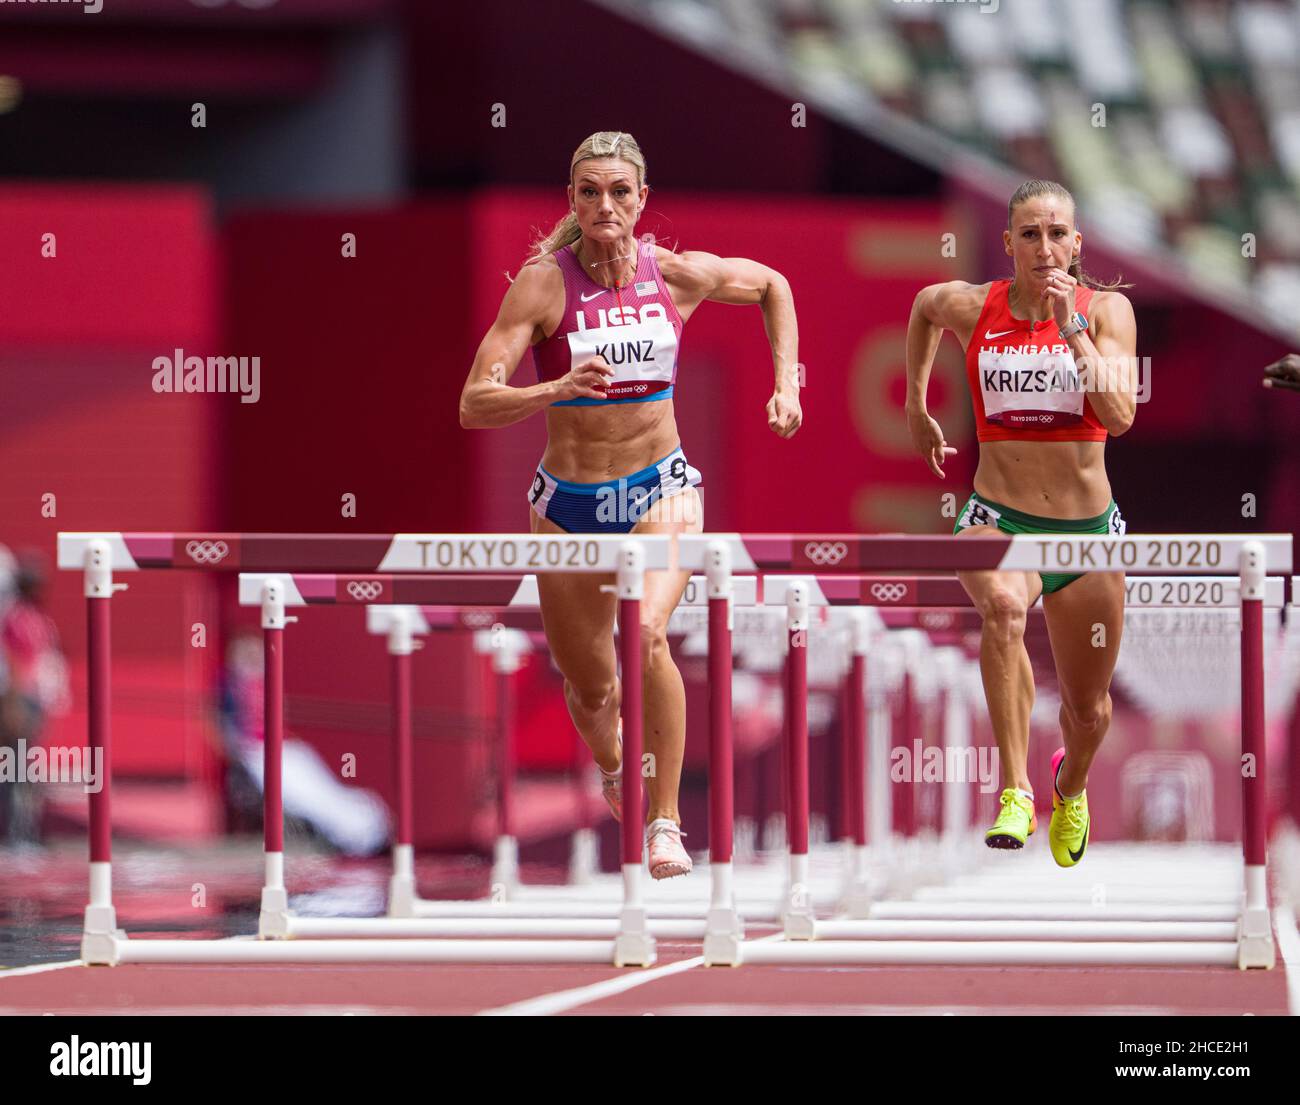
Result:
<point x="1246" y="943"/>
<point x="428" y="598"/>
<point x="99" y="555"/>
<point x="516" y="602"/>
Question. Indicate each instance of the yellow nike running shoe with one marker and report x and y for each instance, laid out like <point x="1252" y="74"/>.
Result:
<point x="1068" y="833"/>
<point x="1016" y="822"/>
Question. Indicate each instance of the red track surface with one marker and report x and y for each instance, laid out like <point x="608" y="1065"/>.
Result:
<point x="453" y="989"/>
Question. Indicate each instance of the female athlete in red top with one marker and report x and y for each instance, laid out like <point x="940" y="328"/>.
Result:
<point x="1038" y="350"/>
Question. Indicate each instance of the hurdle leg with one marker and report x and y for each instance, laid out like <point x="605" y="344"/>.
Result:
<point x="273" y="921"/>
<point x="857" y="898"/>
<point x="100" y="934"/>
<point x="904" y="728"/>
<point x="401" y="885"/>
<point x="584" y="845"/>
<point x="797" y="918"/>
<point x="505" y="855"/>
<point x="634" y="946"/>
<point x="957" y="734"/>
<point x="723" y="932"/>
<point x="1255" y="946"/>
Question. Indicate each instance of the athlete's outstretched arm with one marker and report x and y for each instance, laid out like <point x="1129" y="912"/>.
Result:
<point x="739" y="280"/>
<point x="937" y="308"/>
<point x="487" y="400"/>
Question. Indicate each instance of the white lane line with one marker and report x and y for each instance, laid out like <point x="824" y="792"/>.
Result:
<point x="1288" y="942"/>
<point x="38" y="968"/>
<point x="563" y="1000"/>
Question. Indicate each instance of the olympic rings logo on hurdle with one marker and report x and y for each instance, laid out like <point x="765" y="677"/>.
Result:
<point x="207" y="552"/>
<point x="365" y="590"/>
<point x="888" y="592"/>
<point x="477" y="619"/>
<point x="825" y="552"/>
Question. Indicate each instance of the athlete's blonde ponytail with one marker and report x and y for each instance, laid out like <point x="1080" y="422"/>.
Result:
<point x="604" y="143"/>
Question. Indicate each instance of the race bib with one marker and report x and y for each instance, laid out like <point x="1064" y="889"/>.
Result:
<point x="642" y="355"/>
<point x="1038" y="391"/>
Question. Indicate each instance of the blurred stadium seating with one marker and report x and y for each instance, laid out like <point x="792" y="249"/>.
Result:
<point x="1177" y="125"/>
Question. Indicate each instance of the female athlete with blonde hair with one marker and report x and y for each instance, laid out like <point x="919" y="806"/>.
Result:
<point x="1042" y="423"/>
<point x="604" y="313"/>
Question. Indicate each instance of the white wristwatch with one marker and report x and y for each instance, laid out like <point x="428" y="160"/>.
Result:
<point x="1076" y="325"/>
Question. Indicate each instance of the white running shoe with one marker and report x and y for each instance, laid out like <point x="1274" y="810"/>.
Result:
<point x="664" y="852"/>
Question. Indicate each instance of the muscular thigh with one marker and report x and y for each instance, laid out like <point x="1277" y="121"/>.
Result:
<point x="682" y="513"/>
<point x="1085" y="621"/>
<point x="980" y="585"/>
<point x="578" y="618"/>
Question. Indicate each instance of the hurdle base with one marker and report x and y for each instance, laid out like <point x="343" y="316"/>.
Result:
<point x="857" y="900"/>
<point x="99" y="936"/>
<point x="402" y="897"/>
<point x="634" y="946"/>
<point x="584" y="857"/>
<point x="505" y="868"/>
<point x="1255" y="947"/>
<point x="723" y="934"/>
<point x="273" y="921"/>
<point x="798" y="921"/>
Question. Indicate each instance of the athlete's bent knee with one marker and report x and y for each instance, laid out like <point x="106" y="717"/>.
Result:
<point x="654" y="642"/>
<point x="1005" y="612"/>
<point x="1088" y="715"/>
<point x="592" y="696"/>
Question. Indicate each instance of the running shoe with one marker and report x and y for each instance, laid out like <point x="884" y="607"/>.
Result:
<point x="664" y="851"/>
<point x="1015" y="824"/>
<point x="1067" y="835"/>
<point x="611" y="783"/>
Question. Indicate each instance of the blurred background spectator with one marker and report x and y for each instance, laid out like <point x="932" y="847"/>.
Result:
<point x="33" y="683"/>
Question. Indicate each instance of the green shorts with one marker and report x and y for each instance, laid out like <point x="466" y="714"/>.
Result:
<point x="979" y="511"/>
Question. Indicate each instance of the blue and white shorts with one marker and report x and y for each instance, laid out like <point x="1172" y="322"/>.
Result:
<point x="612" y="506"/>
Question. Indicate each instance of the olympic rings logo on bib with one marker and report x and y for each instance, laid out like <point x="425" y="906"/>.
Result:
<point x="888" y="592"/>
<point x="365" y="590"/>
<point x="825" y="552"/>
<point x="206" y="552"/>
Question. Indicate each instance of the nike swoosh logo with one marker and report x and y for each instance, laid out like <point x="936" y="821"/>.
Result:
<point x="1076" y="856"/>
<point x="989" y="335"/>
<point x="593" y="295"/>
